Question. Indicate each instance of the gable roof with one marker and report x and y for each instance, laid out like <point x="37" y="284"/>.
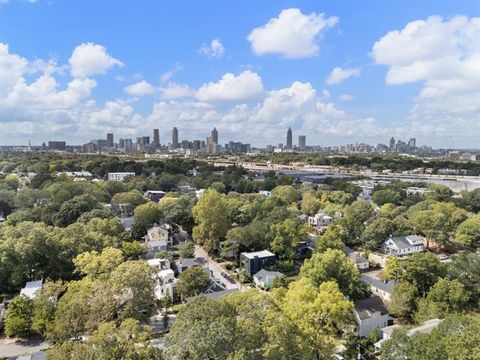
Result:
<point x="189" y="262"/>
<point x="403" y="242"/>
<point x="264" y="274"/>
<point x="366" y="307"/>
<point x="379" y="284"/>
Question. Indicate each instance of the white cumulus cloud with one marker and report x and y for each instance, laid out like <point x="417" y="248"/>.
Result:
<point x="176" y="91"/>
<point x="214" y="50"/>
<point x="338" y="75"/>
<point x="139" y="89"/>
<point x="90" y="59"/>
<point x="246" y="86"/>
<point x="292" y="34"/>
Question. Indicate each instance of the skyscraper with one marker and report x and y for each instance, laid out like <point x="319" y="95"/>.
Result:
<point x="302" y="142"/>
<point x="412" y="143"/>
<point x="289" y="138"/>
<point x="175" y="138"/>
<point x="156" y="139"/>
<point x="109" y="140"/>
<point x="392" y="143"/>
<point x="215" y="136"/>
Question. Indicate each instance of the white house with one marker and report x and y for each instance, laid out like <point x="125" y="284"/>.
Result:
<point x="158" y="239"/>
<point x="31" y="288"/>
<point x="425" y="328"/>
<point x="403" y="245"/>
<point x="360" y="261"/>
<point x="120" y="176"/>
<point x="185" y="264"/>
<point x="320" y="220"/>
<point x="165" y="278"/>
<point x="370" y="314"/>
<point x="379" y="287"/>
<point x="264" y="278"/>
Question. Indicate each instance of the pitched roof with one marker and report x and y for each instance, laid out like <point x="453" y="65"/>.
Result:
<point x="357" y="257"/>
<point x="264" y="274"/>
<point x="189" y="262"/>
<point x="403" y="242"/>
<point x="379" y="284"/>
<point x="366" y="307"/>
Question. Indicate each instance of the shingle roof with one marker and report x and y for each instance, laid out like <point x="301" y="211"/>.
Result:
<point x="379" y="284"/>
<point x="366" y="307"/>
<point x="263" y="274"/>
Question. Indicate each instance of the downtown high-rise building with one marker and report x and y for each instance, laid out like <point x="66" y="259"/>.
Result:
<point x="215" y="136"/>
<point x="156" y="139"/>
<point x="392" y="143"/>
<point x="110" y="140"/>
<point x="412" y="143"/>
<point x="289" y="138"/>
<point x="302" y="142"/>
<point x="175" y="138"/>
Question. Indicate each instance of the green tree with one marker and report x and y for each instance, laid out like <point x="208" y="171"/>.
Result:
<point x="439" y="192"/>
<point x="318" y="312"/>
<point x="468" y="232"/>
<point x="186" y="249"/>
<point x="466" y="269"/>
<point x="333" y="265"/>
<point x="211" y="217"/>
<point x="386" y="196"/>
<point x="95" y="265"/>
<point x="449" y="296"/>
<point x="402" y="301"/>
<point x="192" y="281"/>
<point x="128" y="201"/>
<point x="127" y="341"/>
<point x="310" y="203"/>
<point x="286" y="193"/>
<point x="376" y="232"/>
<point x="18" y="319"/>
<point x="204" y="329"/>
<point x="285" y="238"/>
<point x="71" y="210"/>
<point x="330" y="239"/>
<point x="146" y="215"/>
<point x="421" y="270"/>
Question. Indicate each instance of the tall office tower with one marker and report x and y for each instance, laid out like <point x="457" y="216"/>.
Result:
<point x="175" y="138"/>
<point x="302" y="142"/>
<point x="215" y="136"/>
<point x="392" y="143"/>
<point x="412" y="143"/>
<point x="289" y="138"/>
<point x="128" y="145"/>
<point x="145" y="140"/>
<point x="196" y="144"/>
<point x="156" y="139"/>
<point x="109" y="140"/>
<point x="121" y="143"/>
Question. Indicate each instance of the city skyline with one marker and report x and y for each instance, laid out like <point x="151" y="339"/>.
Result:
<point x="338" y="78"/>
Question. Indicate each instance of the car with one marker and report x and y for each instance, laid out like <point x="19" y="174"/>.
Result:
<point x="443" y="257"/>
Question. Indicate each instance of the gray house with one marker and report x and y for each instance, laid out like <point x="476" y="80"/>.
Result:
<point x="253" y="262"/>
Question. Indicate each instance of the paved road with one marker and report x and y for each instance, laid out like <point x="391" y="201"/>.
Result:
<point x="10" y="348"/>
<point x="215" y="268"/>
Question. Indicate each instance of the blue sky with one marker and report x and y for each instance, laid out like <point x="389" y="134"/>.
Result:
<point x="75" y="70"/>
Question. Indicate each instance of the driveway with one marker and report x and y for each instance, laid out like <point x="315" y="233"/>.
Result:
<point x="216" y="269"/>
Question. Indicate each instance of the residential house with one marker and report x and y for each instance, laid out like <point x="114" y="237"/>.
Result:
<point x="370" y="315"/>
<point x="157" y="239"/>
<point x="253" y="262"/>
<point x="165" y="278"/>
<point x="320" y="221"/>
<point x="378" y="286"/>
<point x="154" y="195"/>
<point x="120" y="176"/>
<point x="264" y="278"/>
<point x="426" y="328"/>
<point x="185" y="264"/>
<point x="403" y="245"/>
<point x="31" y="288"/>
<point x="359" y="260"/>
